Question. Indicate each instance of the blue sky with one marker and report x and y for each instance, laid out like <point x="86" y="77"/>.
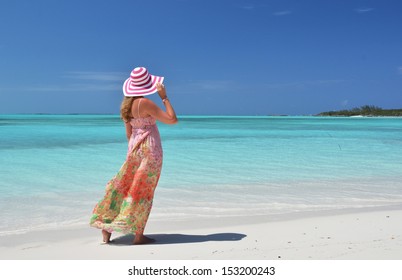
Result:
<point x="220" y="57"/>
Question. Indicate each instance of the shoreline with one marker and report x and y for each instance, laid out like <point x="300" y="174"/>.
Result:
<point x="360" y="235"/>
<point x="205" y="222"/>
<point x="210" y="116"/>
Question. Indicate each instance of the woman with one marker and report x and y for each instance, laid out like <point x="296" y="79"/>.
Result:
<point x="128" y="200"/>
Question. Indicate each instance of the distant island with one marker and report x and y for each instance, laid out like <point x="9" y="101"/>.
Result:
<point x="367" y="110"/>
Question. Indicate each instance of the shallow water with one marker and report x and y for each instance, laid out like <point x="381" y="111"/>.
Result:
<point x="54" y="168"/>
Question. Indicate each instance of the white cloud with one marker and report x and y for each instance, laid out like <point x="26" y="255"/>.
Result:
<point x="282" y="13"/>
<point x="303" y="84"/>
<point x="215" y="86"/>
<point x="96" y="76"/>
<point x="249" y="7"/>
<point x="212" y="84"/>
<point x="364" y="10"/>
<point x="68" y="88"/>
<point x="78" y="81"/>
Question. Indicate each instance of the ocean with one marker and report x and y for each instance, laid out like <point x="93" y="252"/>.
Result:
<point x="54" y="168"/>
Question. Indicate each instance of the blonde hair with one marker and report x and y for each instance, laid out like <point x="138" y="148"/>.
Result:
<point x="125" y="108"/>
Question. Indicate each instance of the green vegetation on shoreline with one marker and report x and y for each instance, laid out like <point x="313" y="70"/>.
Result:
<point x="367" y="110"/>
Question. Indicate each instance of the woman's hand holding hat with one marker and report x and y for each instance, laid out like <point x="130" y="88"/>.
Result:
<point x="161" y="91"/>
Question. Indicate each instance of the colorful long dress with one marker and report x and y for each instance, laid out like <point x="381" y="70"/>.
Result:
<point x="128" y="200"/>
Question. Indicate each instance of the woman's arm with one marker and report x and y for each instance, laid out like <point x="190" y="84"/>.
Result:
<point x="128" y="130"/>
<point x="168" y="117"/>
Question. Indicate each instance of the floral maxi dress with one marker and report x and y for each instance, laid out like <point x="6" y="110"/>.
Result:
<point x="128" y="200"/>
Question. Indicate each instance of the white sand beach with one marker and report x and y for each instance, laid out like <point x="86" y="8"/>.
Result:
<point x="375" y="235"/>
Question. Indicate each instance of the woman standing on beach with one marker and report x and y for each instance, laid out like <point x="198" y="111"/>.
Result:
<point x="128" y="200"/>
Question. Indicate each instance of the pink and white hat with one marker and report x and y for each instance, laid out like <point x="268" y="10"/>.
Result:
<point x="141" y="83"/>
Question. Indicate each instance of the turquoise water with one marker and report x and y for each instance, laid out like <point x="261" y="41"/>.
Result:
<point x="54" y="168"/>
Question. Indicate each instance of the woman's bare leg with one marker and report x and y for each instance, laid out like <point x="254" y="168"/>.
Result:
<point x="106" y="236"/>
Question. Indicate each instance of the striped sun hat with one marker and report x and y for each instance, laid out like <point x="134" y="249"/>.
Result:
<point x="141" y="83"/>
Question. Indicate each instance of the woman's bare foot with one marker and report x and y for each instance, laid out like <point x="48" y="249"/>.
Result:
<point x="142" y="239"/>
<point x="106" y="236"/>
